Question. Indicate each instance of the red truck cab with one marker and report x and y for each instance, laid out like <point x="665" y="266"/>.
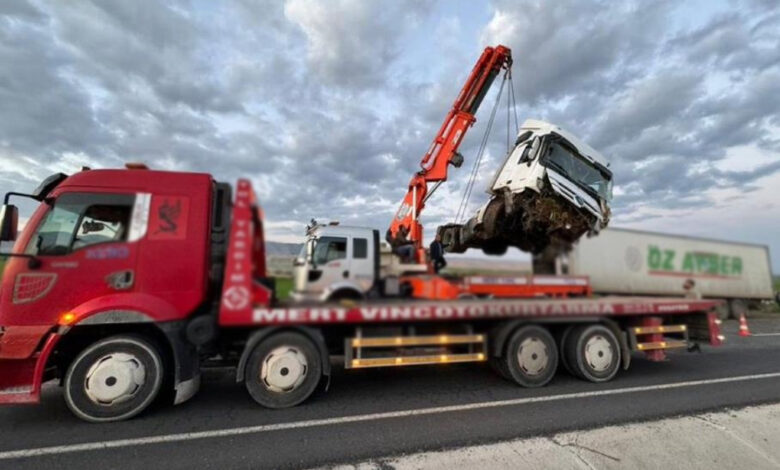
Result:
<point x="107" y="248"/>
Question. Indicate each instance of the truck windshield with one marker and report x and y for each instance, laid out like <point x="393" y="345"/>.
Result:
<point x="327" y="249"/>
<point x="81" y="219"/>
<point x="580" y="171"/>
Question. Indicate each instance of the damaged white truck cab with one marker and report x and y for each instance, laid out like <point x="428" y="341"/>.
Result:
<point x="551" y="189"/>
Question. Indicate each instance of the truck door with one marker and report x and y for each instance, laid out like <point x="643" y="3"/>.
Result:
<point x="83" y="250"/>
<point x="362" y="263"/>
<point x="331" y="264"/>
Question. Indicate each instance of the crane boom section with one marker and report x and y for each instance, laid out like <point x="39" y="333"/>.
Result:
<point x="444" y="148"/>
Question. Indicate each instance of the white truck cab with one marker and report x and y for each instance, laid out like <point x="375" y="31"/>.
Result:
<point x="340" y="262"/>
<point x="552" y="187"/>
<point x="576" y="171"/>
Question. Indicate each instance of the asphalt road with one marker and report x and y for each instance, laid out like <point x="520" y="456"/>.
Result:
<point x="370" y="414"/>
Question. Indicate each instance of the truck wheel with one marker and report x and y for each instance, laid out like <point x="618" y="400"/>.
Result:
<point x="495" y="248"/>
<point x="593" y="353"/>
<point x="283" y="370"/>
<point x="493" y="219"/>
<point x="723" y="312"/>
<point x="737" y="307"/>
<point x="497" y="364"/>
<point x="562" y="350"/>
<point x="114" y="379"/>
<point x="531" y="357"/>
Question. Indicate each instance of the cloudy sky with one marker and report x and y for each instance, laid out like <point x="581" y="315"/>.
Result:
<point x="328" y="106"/>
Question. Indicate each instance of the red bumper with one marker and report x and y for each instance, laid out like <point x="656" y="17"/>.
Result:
<point x="21" y="377"/>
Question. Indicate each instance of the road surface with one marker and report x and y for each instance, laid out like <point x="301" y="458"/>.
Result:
<point x="369" y="414"/>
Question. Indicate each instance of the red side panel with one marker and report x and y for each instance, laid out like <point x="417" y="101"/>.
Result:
<point x="20" y="380"/>
<point x="19" y="342"/>
<point x="458" y="310"/>
<point x="239" y="290"/>
<point x="716" y="337"/>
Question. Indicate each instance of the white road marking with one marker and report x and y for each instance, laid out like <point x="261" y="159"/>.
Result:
<point x="765" y="334"/>
<point x="189" y="436"/>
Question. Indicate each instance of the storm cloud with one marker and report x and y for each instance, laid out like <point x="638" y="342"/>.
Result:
<point x="328" y="106"/>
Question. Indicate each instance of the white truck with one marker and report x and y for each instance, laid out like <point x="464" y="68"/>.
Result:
<point x="339" y="262"/>
<point x="551" y="189"/>
<point x="631" y="262"/>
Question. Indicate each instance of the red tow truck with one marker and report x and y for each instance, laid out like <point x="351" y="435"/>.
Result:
<point x="125" y="282"/>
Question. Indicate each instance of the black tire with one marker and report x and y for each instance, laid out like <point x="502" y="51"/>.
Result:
<point x="737" y="307"/>
<point x="114" y="379"/>
<point x="495" y="248"/>
<point x="267" y="371"/>
<point x="531" y="356"/>
<point x="493" y="219"/>
<point x="562" y="350"/>
<point x="722" y="311"/>
<point x="350" y="295"/>
<point x="451" y="238"/>
<point x="593" y="352"/>
<point x="497" y="364"/>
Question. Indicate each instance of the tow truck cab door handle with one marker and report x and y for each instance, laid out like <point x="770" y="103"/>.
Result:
<point x="120" y="280"/>
<point x="345" y="274"/>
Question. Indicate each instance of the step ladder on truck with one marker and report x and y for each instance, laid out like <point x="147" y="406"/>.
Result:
<point x="125" y="282"/>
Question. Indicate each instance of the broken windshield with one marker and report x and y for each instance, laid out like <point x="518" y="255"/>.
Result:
<point x="581" y="171"/>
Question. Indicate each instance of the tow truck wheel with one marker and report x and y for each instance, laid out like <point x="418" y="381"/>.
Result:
<point x="592" y="352"/>
<point x="114" y="379"/>
<point x="283" y="370"/>
<point x="531" y="356"/>
<point x="562" y="350"/>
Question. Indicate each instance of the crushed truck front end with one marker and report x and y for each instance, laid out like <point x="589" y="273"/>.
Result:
<point x="551" y="190"/>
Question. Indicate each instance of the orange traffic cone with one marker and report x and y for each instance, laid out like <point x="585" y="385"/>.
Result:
<point x="743" y="326"/>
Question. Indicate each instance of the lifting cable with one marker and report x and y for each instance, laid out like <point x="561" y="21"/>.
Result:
<point x="464" y="202"/>
<point x="514" y="102"/>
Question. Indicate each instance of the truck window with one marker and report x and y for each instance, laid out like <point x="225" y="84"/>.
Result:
<point x="359" y="248"/>
<point x="330" y="249"/>
<point x="579" y="170"/>
<point x="80" y="219"/>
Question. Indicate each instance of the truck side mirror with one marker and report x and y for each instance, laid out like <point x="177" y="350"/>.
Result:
<point x="9" y="222"/>
<point x="522" y="137"/>
<point x="530" y="151"/>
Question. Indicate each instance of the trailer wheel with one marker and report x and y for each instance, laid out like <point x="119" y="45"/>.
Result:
<point x="593" y="352"/>
<point x="531" y="356"/>
<point x="737" y="307"/>
<point x="498" y="366"/>
<point x="283" y="370"/>
<point x="114" y="379"/>
<point x="562" y="350"/>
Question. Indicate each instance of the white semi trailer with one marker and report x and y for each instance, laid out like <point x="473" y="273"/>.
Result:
<point x="621" y="261"/>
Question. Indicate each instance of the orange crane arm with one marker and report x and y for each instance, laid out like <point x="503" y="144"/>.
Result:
<point x="444" y="149"/>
